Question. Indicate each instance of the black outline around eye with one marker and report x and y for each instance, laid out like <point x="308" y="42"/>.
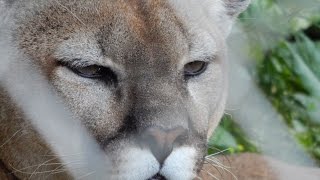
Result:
<point x="105" y="74"/>
<point x="197" y="73"/>
<point x="99" y="75"/>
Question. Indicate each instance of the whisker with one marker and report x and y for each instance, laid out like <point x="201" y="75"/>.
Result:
<point x="213" y="176"/>
<point x="33" y="166"/>
<point x="36" y="172"/>
<point x="67" y="155"/>
<point x="216" y="161"/>
<point x="86" y="175"/>
<point x="60" y="169"/>
<point x="217" y="164"/>
<point x="214" y="148"/>
<point x="38" y="164"/>
<point x="216" y="167"/>
<point x="17" y="170"/>
<point x="41" y="165"/>
<point x="232" y="174"/>
<point x="56" y="172"/>
<point x="217" y="153"/>
<point x="70" y="12"/>
<point x="221" y="166"/>
<point x="8" y="140"/>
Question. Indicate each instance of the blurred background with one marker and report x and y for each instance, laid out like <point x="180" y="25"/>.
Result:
<point x="274" y="98"/>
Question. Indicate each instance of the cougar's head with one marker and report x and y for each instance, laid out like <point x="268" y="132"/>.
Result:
<point x="147" y="78"/>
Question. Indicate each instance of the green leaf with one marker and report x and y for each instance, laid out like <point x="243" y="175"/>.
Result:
<point x="223" y="138"/>
<point x="309" y="79"/>
<point x="312" y="107"/>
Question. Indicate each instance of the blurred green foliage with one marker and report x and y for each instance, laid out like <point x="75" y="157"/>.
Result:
<point x="230" y="138"/>
<point x="287" y="70"/>
<point x="290" y="77"/>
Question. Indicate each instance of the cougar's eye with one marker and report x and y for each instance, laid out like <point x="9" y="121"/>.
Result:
<point x="92" y="71"/>
<point x="96" y="72"/>
<point x="194" y="68"/>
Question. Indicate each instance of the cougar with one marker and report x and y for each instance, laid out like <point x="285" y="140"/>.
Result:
<point x="147" y="78"/>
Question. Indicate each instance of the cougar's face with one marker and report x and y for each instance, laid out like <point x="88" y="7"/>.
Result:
<point x="147" y="83"/>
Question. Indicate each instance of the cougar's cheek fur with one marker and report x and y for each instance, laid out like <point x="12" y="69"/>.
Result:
<point x="147" y="78"/>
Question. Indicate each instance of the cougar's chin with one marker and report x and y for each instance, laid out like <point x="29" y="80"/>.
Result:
<point x="135" y="164"/>
<point x="140" y="164"/>
<point x="180" y="164"/>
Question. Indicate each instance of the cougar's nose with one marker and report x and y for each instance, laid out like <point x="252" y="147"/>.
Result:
<point x="161" y="141"/>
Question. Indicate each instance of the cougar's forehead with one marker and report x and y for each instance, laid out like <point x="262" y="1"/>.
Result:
<point x="137" y="30"/>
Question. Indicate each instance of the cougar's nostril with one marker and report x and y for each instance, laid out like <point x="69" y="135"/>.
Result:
<point x="161" y="141"/>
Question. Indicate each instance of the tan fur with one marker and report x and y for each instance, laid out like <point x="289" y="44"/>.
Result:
<point x="146" y="43"/>
<point x="250" y="166"/>
<point x="19" y="140"/>
<point x="254" y="168"/>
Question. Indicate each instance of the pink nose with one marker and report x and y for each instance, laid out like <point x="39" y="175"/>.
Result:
<point x="161" y="141"/>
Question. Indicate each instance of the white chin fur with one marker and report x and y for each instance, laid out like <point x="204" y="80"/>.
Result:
<point x="180" y="164"/>
<point x="136" y="164"/>
<point x="140" y="164"/>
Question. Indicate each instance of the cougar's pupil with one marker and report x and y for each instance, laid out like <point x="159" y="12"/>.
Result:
<point x="96" y="72"/>
<point x="89" y="71"/>
<point x="194" y="68"/>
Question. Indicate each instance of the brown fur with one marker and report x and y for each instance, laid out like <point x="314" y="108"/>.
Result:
<point x="250" y="166"/>
<point x="146" y="43"/>
<point x="244" y="167"/>
<point x="14" y="143"/>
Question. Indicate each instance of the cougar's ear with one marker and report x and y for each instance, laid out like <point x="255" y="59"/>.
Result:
<point x="235" y="7"/>
<point x="232" y="10"/>
<point x="216" y="13"/>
